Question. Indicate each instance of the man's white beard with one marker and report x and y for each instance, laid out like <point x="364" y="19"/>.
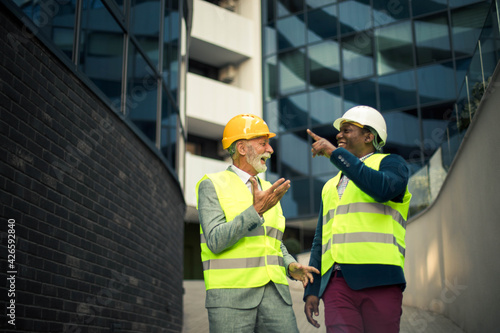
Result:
<point x="254" y="160"/>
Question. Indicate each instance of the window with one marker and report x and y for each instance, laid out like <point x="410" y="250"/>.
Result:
<point x="141" y="94"/>
<point x="436" y="83"/>
<point x="291" y="32"/>
<point x="357" y="56"/>
<point x="326" y="105"/>
<point x="287" y="7"/>
<point x="270" y="78"/>
<point x="363" y="93"/>
<point x="293" y="111"/>
<point x="324" y="63"/>
<point x="56" y="21"/>
<point x="385" y="12"/>
<point x="294" y="154"/>
<point x="397" y="91"/>
<point x="432" y="40"/>
<point x="354" y="16"/>
<point x="145" y="25"/>
<point x="428" y="6"/>
<point x="292" y="72"/>
<point x="322" y="24"/>
<point x="101" y="51"/>
<point x="466" y="25"/>
<point x="269" y="42"/>
<point x="403" y="134"/>
<point x="394" y="48"/>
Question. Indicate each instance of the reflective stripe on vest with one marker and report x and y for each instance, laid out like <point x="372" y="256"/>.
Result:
<point x="243" y="262"/>
<point x="256" y="258"/>
<point x="271" y="232"/>
<point x="359" y="230"/>
<point x="366" y="207"/>
<point x="359" y="237"/>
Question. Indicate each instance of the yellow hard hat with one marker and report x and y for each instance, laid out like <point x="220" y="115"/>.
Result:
<point x="244" y="126"/>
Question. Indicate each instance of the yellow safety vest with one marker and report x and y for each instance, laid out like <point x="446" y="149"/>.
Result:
<point x="255" y="259"/>
<point x="359" y="230"/>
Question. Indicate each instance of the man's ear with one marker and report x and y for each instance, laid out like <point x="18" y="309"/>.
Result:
<point x="241" y="147"/>
<point x="369" y="137"/>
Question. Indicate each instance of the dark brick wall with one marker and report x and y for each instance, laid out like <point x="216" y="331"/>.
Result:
<point x="98" y="217"/>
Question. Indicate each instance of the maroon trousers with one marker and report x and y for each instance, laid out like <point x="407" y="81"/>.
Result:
<point x="371" y="310"/>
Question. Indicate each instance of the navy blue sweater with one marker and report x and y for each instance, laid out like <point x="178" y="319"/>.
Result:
<point x="387" y="184"/>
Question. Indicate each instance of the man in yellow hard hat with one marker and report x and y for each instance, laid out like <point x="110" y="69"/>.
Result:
<point x="245" y="263"/>
<point x="359" y="244"/>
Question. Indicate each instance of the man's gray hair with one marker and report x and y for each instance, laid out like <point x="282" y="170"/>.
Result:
<point x="232" y="148"/>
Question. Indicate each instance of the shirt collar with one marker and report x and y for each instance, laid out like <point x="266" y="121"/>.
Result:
<point x="365" y="157"/>
<point x="240" y="173"/>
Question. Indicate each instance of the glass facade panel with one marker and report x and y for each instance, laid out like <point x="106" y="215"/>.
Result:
<point x="268" y="11"/>
<point x="294" y="154"/>
<point x="318" y="183"/>
<point x="363" y="93"/>
<point x="101" y="50"/>
<point x="269" y="42"/>
<point x="354" y="15"/>
<point x="293" y="111"/>
<point x="292" y="72"/>
<point x="318" y="3"/>
<point x="141" y="94"/>
<point x="321" y="165"/>
<point x="466" y="25"/>
<point x="145" y="25"/>
<point x="297" y="201"/>
<point x="435" y="120"/>
<point x="270" y="79"/>
<point x="397" y="91"/>
<point x="171" y="50"/>
<point x="55" y="20"/>
<point x="287" y="7"/>
<point x="394" y="48"/>
<point x="459" y="3"/>
<point x="324" y="63"/>
<point x="385" y="12"/>
<point x="322" y="24"/>
<point x="428" y="6"/>
<point x="291" y="32"/>
<point x="403" y="135"/>
<point x="462" y="66"/>
<point x="271" y="115"/>
<point x="436" y="83"/>
<point x="432" y="39"/>
<point x="169" y="134"/>
<point x="326" y="105"/>
<point x="357" y="56"/>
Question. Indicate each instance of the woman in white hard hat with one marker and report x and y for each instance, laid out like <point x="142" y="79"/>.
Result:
<point x="359" y="245"/>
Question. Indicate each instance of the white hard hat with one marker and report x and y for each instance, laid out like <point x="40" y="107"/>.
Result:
<point x="366" y="116"/>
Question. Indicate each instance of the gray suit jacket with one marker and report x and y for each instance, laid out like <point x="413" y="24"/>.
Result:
<point x="220" y="235"/>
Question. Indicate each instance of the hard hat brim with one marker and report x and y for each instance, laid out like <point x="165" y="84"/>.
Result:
<point x="226" y="142"/>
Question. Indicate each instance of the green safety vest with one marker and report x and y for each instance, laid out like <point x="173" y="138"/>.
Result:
<point x="255" y="259"/>
<point x="359" y="230"/>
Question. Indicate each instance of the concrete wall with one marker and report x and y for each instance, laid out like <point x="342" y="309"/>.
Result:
<point x="95" y="215"/>
<point x="452" y="265"/>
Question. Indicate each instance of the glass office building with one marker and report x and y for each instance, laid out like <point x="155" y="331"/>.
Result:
<point x="127" y="51"/>
<point x="405" y="58"/>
